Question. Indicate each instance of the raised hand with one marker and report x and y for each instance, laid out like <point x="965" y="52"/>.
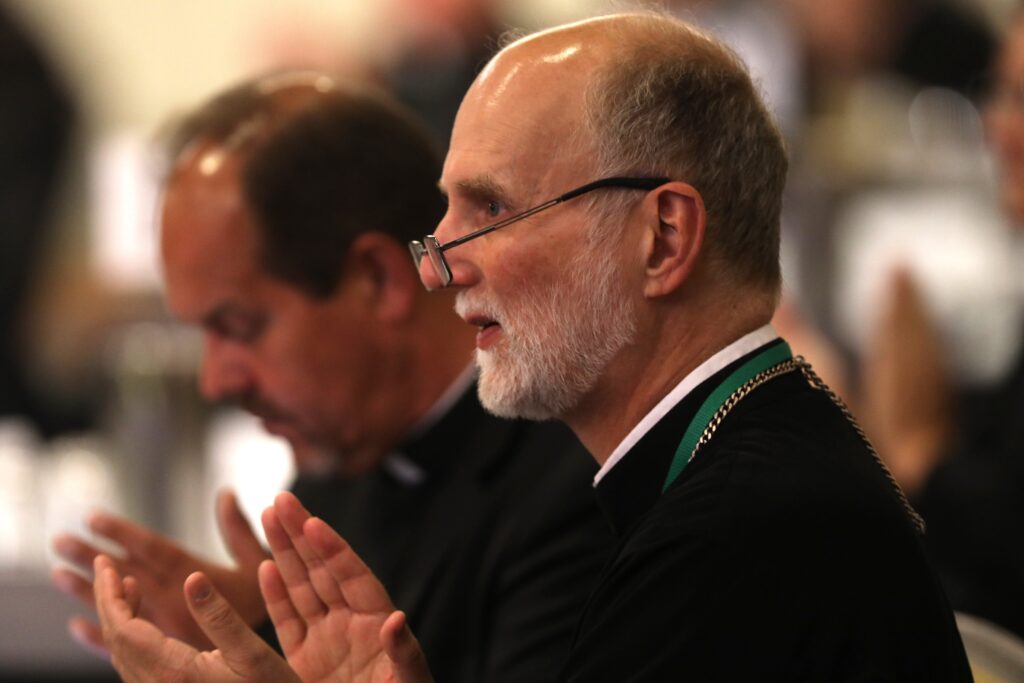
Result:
<point x="908" y="404"/>
<point x="141" y="653"/>
<point x="159" y="566"/>
<point x="334" y="620"/>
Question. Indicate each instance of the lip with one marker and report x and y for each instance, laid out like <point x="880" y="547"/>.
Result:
<point x="490" y="330"/>
<point x="488" y="336"/>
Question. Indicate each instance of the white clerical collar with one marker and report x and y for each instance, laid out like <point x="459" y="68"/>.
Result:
<point x="730" y="353"/>
<point x="399" y="465"/>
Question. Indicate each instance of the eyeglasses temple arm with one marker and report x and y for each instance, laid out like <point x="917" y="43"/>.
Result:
<point x="628" y="183"/>
<point x="501" y="224"/>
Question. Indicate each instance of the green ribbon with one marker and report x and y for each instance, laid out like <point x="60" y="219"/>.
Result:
<point x="768" y="358"/>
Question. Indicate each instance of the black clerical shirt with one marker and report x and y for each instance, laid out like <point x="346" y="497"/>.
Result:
<point x="782" y="552"/>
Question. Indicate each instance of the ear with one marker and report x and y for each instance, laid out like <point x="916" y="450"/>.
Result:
<point x="385" y="276"/>
<point x="674" y="221"/>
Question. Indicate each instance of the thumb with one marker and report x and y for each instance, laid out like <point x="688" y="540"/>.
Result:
<point x="237" y="532"/>
<point x="404" y="650"/>
<point x="244" y="652"/>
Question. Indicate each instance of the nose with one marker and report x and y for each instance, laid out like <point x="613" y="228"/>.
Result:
<point x="223" y="373"/>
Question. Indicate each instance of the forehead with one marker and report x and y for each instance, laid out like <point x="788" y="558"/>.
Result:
<point x="209" y="242"/>
<point x="520" y="124"/>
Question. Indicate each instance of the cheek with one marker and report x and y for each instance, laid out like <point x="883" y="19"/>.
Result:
<point x="338" y="366"/>
<point x="529" y="267"/>
<point x="292" y="368"/>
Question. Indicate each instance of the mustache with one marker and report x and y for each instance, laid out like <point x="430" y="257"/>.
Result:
<point x="467" y="302"/>
<point x="257" y="406"/>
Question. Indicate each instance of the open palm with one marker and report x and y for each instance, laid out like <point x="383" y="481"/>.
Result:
<point x="160" y="566"/>
<point x="334" y="620"/>
<point x="142" y="653"/>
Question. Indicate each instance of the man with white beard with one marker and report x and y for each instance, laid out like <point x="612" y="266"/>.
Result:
<point x="760" y="537"/>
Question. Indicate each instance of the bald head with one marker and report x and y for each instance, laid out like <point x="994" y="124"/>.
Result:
<point x="648" y="95"/>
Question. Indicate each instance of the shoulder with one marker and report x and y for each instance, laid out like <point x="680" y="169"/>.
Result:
<point x="787" y="464"/>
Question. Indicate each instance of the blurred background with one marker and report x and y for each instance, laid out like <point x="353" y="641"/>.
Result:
<point x="903" y="268"/>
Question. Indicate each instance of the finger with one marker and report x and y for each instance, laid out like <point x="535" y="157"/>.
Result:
<point x="237" y="532"/>
<point x="293" y="516"/>
<point x="89" y="635"/>
<point x="108" y="591"/>
<point x="292" y="568"/>
<point x="290" y="627"/>
<point x="242" y="649"/>
<point x="361" y="590"/>
<point x="404" y="651"/>
<point x="75" y="551"/>
<point x="72" y="584"/>
<point x="291" y="512"/>
<point x="132" y="594"/>
<point x="143" y="546"/>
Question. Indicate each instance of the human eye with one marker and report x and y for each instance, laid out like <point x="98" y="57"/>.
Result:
<point x="240" y="326"/>
<point x="495" y="208"/>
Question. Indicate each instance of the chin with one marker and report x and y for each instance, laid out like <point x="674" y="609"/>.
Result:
<point x="521" y="390"/>
<point x="356" y="465"/>
<point x="312" y="458"/>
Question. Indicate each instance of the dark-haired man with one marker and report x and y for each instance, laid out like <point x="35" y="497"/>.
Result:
<point x="285" y="214"/>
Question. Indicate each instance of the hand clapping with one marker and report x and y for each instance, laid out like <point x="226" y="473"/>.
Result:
<point x="333" y="618"/>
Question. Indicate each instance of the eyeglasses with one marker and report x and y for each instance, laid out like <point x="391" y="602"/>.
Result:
<point x="433" y="249"/>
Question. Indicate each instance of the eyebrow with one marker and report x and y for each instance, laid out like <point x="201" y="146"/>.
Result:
<point x="483" y="188"/>
<point x="220" y="314"/>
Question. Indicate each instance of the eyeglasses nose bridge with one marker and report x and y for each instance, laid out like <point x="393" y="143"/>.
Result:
<point x="435" y="252"/>
<point x="432" y="249"/>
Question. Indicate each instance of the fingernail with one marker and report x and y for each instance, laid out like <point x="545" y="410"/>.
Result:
<point x="201" y="591"/>
<point x="61" y="580"/>
<point x="97" y="521"/>
<point x="77" y="631"/>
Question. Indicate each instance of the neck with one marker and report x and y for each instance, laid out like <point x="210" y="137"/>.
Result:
<point x="647" y="371"/>
<point x="416" y="359"/>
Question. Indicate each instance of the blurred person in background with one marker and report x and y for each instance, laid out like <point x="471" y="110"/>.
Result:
<point x="971" y="489"/>
<point x="957" y="451"/>
<point x="863" y="65"/>
<point x="36" y="121"/>
<point x="424" y="52"/>
<point x="285" y="215"/>
<point x="444" y="46"/>
<point x="929" y="42"/>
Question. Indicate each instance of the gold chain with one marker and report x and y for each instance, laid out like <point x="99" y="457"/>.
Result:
<point x="816" y="382"/>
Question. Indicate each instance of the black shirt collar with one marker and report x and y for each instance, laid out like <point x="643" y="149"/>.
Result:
<point x="632" y="487"/>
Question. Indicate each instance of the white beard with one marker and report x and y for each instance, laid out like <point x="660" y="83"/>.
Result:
<point x="556" y="341"/>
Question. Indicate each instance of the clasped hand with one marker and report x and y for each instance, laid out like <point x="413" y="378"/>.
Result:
<point x="333" y="618"/>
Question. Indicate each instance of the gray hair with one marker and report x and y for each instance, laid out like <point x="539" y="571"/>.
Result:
<point x="677" y="103"/>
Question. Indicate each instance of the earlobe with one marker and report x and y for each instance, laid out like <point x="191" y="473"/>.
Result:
<point x="673" y="238"/>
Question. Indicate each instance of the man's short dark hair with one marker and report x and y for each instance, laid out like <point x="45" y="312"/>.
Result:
<point x="322" y="163"/>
